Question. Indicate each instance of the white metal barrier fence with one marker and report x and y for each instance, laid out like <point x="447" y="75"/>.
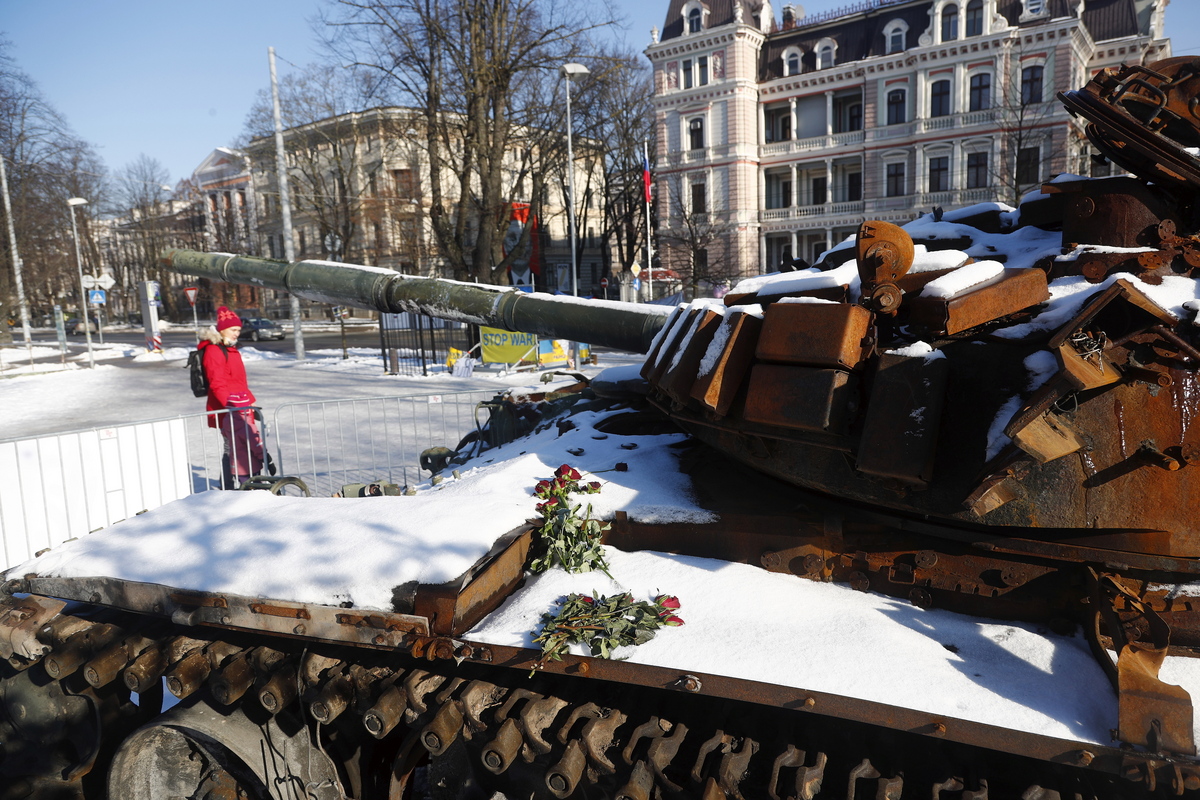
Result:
<point x="54" y="488"/>
<point x="333" y="443"/>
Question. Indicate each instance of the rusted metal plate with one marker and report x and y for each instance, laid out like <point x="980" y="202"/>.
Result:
<point x="816" y="334"/>
<point x="680" y="376"/>
<point x="1013" y="291"/>
<point x="225" y="610"/>
<point x="1089" y="369"/>
<point x="665" y="335"/>
<point x="1114" y="212"/>
<point x="900" y="425"/>
<point x="1047" y="437"/>
<point x="836" y="294"/>
<point x="1152" y="713"/>
<point x="455" y="606"/>
<point x="802" y="398"/>
<point x="653" y="372"/>
<point x="1121" y="290"/>
<point x="717" y="388"/>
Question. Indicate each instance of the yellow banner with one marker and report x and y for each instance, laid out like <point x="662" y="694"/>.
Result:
<point x="505" y="347"/>
<point x="553" y="351"/>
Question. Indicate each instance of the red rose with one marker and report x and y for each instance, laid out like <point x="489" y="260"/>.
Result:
<point x="568" y="472"/>
<point x="548" y="505"/>
<point x="673" y="621"/>
<point x="586" y="599"/>
<point x="667" y="601"/>
<point x="593" y="487"/>
<point x="542" y="488"/>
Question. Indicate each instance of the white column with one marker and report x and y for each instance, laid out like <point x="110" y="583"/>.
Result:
<point x="762" y="124"/>
<point x="994" y="167"/>
<point x="958" y="168"/>
<point x="921" y="95"/>
<point x="829" y="112"/>
<point x="795" y="198"/>
<point x="762" y="252"/>
<point x="958" y="94"/>
<point x="829" y="238"/>
<point x="919" y="185"/>
<point x="795" y="119"/>
<point x="795" y="252"/>
<point x="829" y="181"/>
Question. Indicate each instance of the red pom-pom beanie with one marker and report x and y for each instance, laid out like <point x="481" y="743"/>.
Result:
<point x="227" y="319"/>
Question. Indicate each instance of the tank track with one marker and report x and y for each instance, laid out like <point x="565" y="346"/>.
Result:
<point x="258" y="715"/>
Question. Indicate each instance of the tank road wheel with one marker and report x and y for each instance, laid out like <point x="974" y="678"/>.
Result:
<point x="199" y="752"/>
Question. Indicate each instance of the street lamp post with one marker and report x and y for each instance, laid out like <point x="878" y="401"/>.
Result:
<point x="87" y="323"/>
<point x="570" y="72"/>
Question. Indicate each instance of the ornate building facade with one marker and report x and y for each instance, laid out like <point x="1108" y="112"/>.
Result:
<point x="782" y="135"/>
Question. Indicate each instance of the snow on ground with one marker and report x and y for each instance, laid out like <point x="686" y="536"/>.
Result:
<point x="327" y="550"/>
<point x="130" y="384"/>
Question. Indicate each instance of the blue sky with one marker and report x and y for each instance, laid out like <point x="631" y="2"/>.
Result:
<point x="173" y="80"/>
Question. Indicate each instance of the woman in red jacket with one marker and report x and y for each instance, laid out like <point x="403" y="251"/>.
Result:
<point x="227" y="389"/>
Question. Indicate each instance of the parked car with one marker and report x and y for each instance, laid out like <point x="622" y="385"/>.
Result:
<point x="257" y="329"/>
<point x="75" y="326"/>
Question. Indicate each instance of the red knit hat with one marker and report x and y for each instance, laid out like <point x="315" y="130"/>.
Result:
<point x="227" y="319"/>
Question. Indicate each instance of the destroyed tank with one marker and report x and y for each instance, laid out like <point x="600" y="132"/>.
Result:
<point x="987" y="412"/>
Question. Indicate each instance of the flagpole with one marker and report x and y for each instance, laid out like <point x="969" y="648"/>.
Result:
<point x="649" y="251"/>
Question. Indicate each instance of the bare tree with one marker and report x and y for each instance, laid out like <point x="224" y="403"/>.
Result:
<point x="149" y="217"/>
<point x="695" y="239"/>
<point x="328" y="142"/>
<point x="480" y="75"/>
<point x="1033" y="141"/>
<point x="46" y="164"/>
<point x="617" y="121"/>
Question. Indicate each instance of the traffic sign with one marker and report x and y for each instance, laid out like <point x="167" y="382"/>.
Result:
<point x="604" y="283"/>
<point x="88" y="282"/>
<point x="191" y="293"/>
<point x="637" y="284"/>
<point x="105" y="282"/>
<point x="96" y="297"/>
<point x="636" y="269"/>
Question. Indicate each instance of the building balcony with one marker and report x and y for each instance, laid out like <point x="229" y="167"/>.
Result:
<point x="833" y="140"/>
<point x="922" y="202"/>
<point x="897" y="131"/>
<point x="967" y="119"/>
<point x="810" y="212"/>
<point x="698" y="156"/>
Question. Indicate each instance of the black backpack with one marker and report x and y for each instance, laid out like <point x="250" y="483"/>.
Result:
<point x="195" y="368"/>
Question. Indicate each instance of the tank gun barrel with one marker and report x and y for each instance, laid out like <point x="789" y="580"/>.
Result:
<point x="624" y="326"/>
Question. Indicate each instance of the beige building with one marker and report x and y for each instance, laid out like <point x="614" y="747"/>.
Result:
<point x="360" y="191"/>
<point x="786" y="133"/>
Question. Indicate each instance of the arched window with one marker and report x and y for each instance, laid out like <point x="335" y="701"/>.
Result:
<point x="791" y="61"/>
<point x="975" y="18"/>
<point x="1031" y="85"/>
<point x="895" y="34"/>
<point x="939" y="99"/>
<point x="826" y="54"/>
<point x="980" y="92"/>
<point x="896" y="107"/>
<point x="696" y="134"/>
<point x="949" y="22"/>
<point x="695" y="18"/>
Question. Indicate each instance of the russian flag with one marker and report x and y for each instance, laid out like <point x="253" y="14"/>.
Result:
<point x="646" y="177"/>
